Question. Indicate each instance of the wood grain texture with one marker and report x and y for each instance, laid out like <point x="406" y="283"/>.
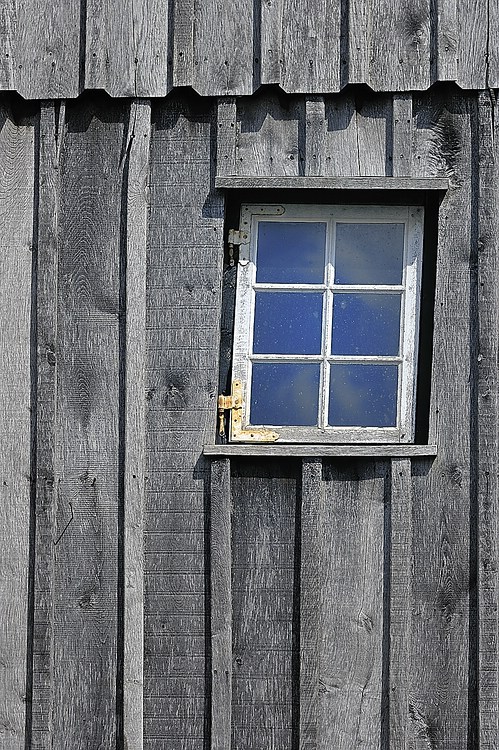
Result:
<point x="402" y="135"/>
<point x="137" y="186"/>
<point x="315" y="134"/>
<point x="447" y="34"/>
<point x="226" y="136"/>
<point x="183" y="276"/>
<point x="313" y="555"/>
<point x="441" y="492"/>
<point x="16" y="238"/>
<point x="44" y="58"/>
<point x="50" y="137"/>
<point x="296" y="50"/>
<point x="126" y="51"/>
<point x="338" y="451"/>
<point x="222" y="48"/>
<point x="264" y="498"/>
<point x="389" y="45"/>
<point x="352" y="604"/>
<point x="221" y="604"/>
<point x="473" y="43"/>
<point x="88" y="406"/>
<point x="401" y="583"/>
<point x="487" y="423"/>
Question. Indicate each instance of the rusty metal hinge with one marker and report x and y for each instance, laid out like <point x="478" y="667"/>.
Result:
<point x="235" y="403"/>
<point x="236" y="237"/>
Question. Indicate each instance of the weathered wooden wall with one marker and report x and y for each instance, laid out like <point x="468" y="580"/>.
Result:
<point x="159" y="598"/>
<point x="144" y="48"/>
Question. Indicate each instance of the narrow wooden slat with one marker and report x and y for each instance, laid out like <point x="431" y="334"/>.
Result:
<point x="223" y="49"/>
<point x="401" y="583"/>
<point x="221" y="604"/>
<point x="185" y="253"/>
<point x="315" y="131"/>
<point x="135" y="459"/>
<point x="16" y="238"/>
<point x="341" y="149"/>
<point x="296" y="51"/>
<point x="472" y="43"/>
<point x="85" y="607"/>
<point x="372" y="120"/>
<point x="446" y="40"/>
<point x="402" y="135"/>
<point x="126" y="51"/>
<point x="334" y="183"/>
<point x="50" y="138"/>
<point x="488" y="324"/>
<point x="183" y="42"/>
<point x="313" y="556"/>
<point x="45" y="55"/>
<point x="226" y="136"/>
<point x="338" y="451"/>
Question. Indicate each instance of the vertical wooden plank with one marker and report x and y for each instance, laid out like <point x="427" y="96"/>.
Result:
<point x="400" y="604"/>
<point x="264" y="586"/>
<point x="352" y="604"/>
<point x="127" y="47"/>
<point x="446" y="40"/>
<point x="296" y="51"/>
<point x="341" y="151"/>
<point x="374" y="119"/>
<point x="135" y="453"/>
<point x="488" y="325"/>
<point x="269" y="141"/>
<point x="226" y="136"/>
<point x="50" y="135"/>
<point x="441" y="490"/>
<point x="397" y="37"/>
<point x="183" y="42"/>
<point x="223" y="49"/>
<point x="221" y="605"/>
<point x="16" y="237"/>
<point x="47" y="48"/>
<point x="313" y="555"/>
<point x="402" y="135"/>
<point x="315" y="132"/>
<point x="473" y="44"/>
<point x="183" y="323"/>
<point x="88" y="450"/>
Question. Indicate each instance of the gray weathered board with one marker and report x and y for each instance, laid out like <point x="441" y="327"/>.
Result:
<point x="360" y="586"/>
<point x="146" y="47"/>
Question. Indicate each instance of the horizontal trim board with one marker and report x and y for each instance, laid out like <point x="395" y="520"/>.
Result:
<point x="333" y="183"/>
<point x="340" y="451"/>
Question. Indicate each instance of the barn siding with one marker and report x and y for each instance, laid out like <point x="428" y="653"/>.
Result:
<point x="121" y="478"/>
<point x="145" y="47"/>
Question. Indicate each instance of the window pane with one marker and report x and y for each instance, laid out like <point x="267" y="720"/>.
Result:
<point x="285" y="393"/>
<point x="291" y="252"/>
<point x="287" y="323"/>
<point x="369" y="253"/>
<point x="363" y="395"/>
<point x="366" y="324"/>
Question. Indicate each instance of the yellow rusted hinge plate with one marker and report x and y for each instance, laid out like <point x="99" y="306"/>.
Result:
<point x="235" y="403"/>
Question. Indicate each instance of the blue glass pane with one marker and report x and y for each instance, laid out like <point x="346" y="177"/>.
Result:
<point x="366" y="324"/>
<point x="287" y="323"/>
<point x="285" y="393"/>
<point x="369" y="253"/>
<point x="363" y="395"/>
<point x="291" y="252"/>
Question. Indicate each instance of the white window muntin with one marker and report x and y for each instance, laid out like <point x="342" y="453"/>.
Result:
<point x="409" y="290"/>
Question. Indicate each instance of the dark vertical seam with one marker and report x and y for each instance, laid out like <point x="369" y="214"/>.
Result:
<point x="82" y="45"/>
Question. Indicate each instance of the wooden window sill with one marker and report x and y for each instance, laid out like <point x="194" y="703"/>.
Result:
<point x="323" y="451"/>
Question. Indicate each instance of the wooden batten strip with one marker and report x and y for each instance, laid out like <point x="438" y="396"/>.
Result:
<point x="333" y="183"/>
<point x="134" y="479"/>
<point x="402" y="135"/>
<point x="221" y="605"/>
<point x="50" y="139"/>
<point x="400" y="602"/>
<point x="326" y="450"/>
<point x="315" y="132"/>
<point x="488" y="443"/>
<point x="226" y="135"/>
<point x="183" y="43"/>
<point x="312" y="552"/>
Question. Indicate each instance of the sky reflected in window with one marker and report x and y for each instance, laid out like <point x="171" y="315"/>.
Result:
<point x="363" y="395"/>
<point x="366" y="324"/>
<point x="285" y="393"/>
<point x="369" y="253"/>
<point x="291" y="252"/>
<point x="287" y="323"/>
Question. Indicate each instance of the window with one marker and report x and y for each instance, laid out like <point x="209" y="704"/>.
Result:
<point x="326" y="323"/>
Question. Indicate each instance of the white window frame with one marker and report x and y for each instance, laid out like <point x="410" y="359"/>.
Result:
<point x="412" y="218"/>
